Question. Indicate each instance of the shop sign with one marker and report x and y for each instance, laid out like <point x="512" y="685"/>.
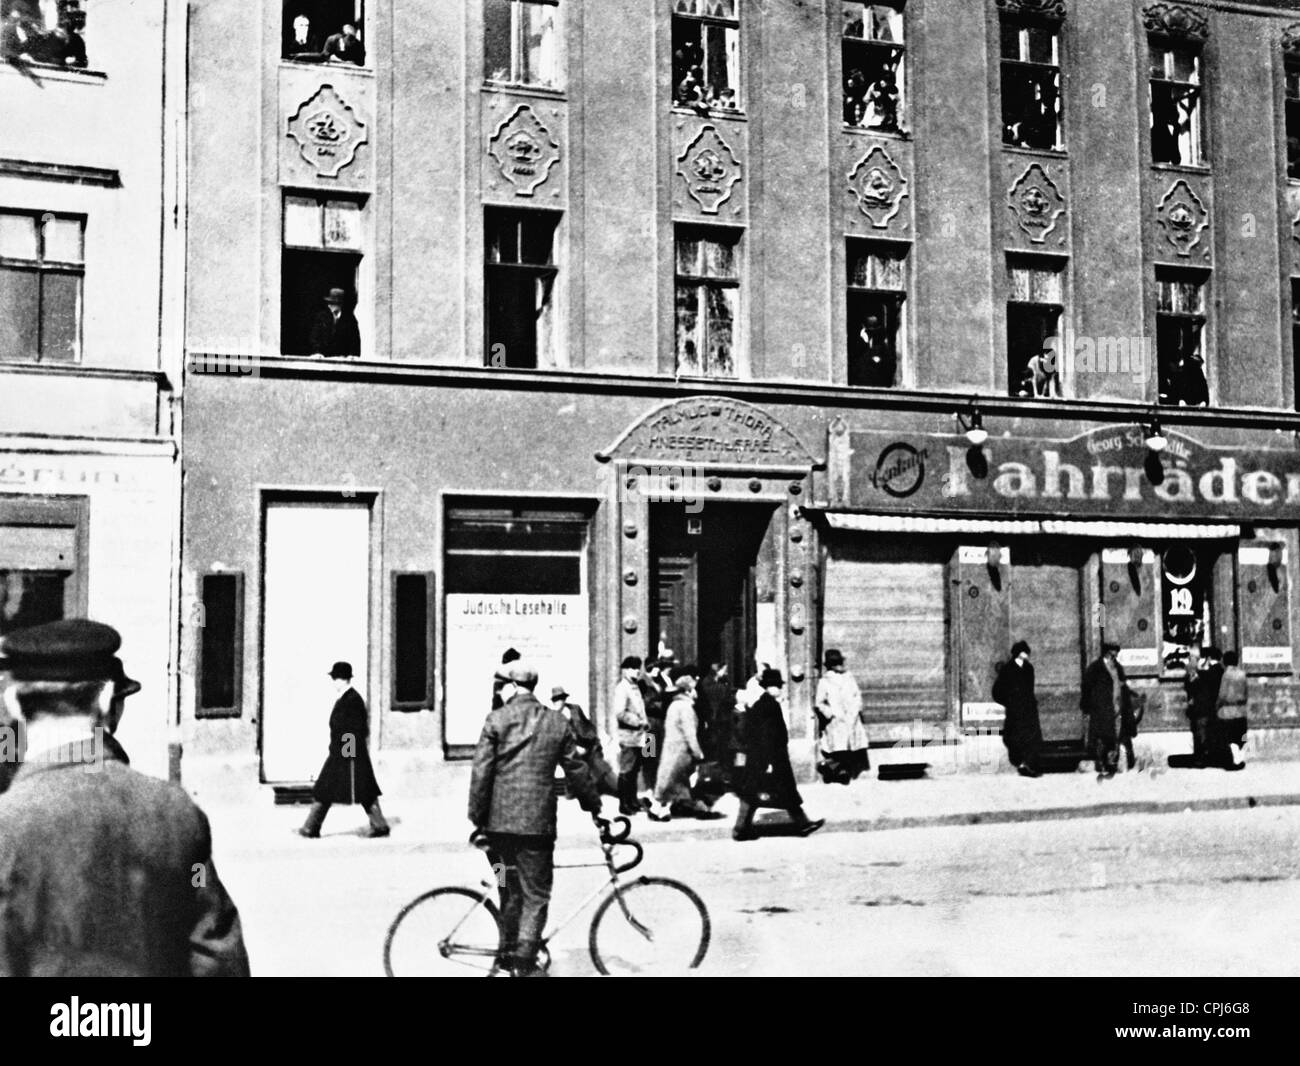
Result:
<point x="1107" y="472"/>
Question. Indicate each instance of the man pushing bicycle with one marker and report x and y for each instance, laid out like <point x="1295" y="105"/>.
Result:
<point x="512" y="804"/>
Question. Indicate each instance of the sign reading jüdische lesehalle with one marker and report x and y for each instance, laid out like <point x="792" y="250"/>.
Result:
<point x="1108" y="472"/>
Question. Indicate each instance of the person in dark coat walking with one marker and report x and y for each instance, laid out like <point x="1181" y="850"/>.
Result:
<point x="346" y="776"/>
<point x="587" y="737"/>
<point x="1205" y="676"/>
<point x="104" y="872"/>
<point x="764" y="777"/>
<point x="512" y="806"/>
<point x="334" y="330"/>
<point x="1102" y="701"/>
<point x="1021" y="731"/>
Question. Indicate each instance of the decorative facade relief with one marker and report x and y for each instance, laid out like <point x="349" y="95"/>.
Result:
<point x="328" y="131"/>
<point x="1291" y="40"/>
<point x="1037" y="204"/>
<point x="709" y="169"/>
<point x="1048" y="9"/>
<point x="879" y="186"/>
<point x="524" y="150"/>
<point x="1183" y="217"/>
<point x="1174" y="20"/>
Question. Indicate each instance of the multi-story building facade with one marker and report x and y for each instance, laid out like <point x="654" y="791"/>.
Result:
<point x="671" y="321"/>
<point x="90" y="334"/>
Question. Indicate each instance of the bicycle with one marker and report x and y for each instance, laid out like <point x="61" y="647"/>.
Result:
<point x="649" y="925"/>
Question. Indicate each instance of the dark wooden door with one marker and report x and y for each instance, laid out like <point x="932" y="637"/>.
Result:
<point x="1047" y="611"/>
<point x="676" y="600"/>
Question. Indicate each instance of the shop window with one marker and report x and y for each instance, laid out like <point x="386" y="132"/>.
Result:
<point x="220" y="645"/>
<point x="42" y="560"/>
<point x="1031" y="84"/>
<point x="1176" y="94"/>
<point x="42" y="270"/>
<point x="521" y="42"/>
<point x="872" y="49"/>
<point x="706" y="54"/>
<point x="1180" y="324"/>
<point x="1035" y="303"/>
<point x="412" y="641"/>
<point x="324" y="31"/>
<point x="520" y="275"/>
<point x="1293" y="118"/>
<point x="1263" y="598"/>
<point x="318" y="283"/>
<point x="1130" y="585"/>
<point x="1184" y="607"/>
<point x="877" y="291"/>
<point x="708" y="300"/>
<point x="44" y="32"/>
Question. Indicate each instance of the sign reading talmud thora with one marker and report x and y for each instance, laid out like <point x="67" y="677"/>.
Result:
<point x="550" y="632"/>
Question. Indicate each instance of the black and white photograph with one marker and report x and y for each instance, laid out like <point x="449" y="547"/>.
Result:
<point x="675" y="488"/>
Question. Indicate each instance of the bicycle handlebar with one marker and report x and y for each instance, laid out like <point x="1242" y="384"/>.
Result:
<point x="607" y="833"/>
<point x="610" y="838"/>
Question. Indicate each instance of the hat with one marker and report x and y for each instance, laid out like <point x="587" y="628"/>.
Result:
<point x="123" y="686"/>
<point x="521" y="673"/>
<point x="75" y="649"/>
<point x="834" y="657"/>
<point x="558" y="692"/>
<point x="771" y="676"/>
<point x="1109" y="646"/>
<point x="632" y="662"/>
<point x="684" y="683"/>
<point x="510" y="655"/>
<point x="341" y="671"/>
<point x="336" y="296"/>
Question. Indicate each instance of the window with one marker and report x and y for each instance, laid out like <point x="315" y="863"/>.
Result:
<point x="1295" y="338"/>
<point x="877" y="287"/>
<point x="42" y="267"/>
<point x="708" y="300"/>
<point x="872" y="51"/>
<point x="1035" y="301"/>
<point x="48" y="32"/>
<point x="318" y="282"/>
<point x="1293" y="118"/>
<point x="1180" y="320"/>
<point x="412" y="641"/>
<point x="1031" y="85"/>
<point x="221" y="645"/>
<point x="42" y="560"/>
<point x="706" y="54"/>
<point x="1175" y="104"/>
<point x="520" y="287"/>
<point x="324" y="31"/>
<point x="521" y="42"/>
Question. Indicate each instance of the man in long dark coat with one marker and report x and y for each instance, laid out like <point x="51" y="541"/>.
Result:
<point x="1021" y="731"/>
<point x="764" y="777"/>
<point x="1202" y="703"/>
<point x="346" y="776"/>
<point x="1102" y="701"/>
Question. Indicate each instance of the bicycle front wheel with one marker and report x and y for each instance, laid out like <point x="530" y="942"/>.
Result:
<point x="447" y="932"/>
<point x="653" y="926"/>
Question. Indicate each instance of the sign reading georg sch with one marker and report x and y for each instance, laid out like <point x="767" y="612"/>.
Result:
<point x="1103" y="472"/>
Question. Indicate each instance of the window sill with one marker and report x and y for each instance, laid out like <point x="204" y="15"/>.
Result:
<point x="49" y="72"/>
<point x="1183" y="168"/>
<point x="291" y="64"/>
<point x="710" y="113"/>
<point x="1037" y="153"/>
<point x="541" y="92"/>
<point x="868" y="131"/>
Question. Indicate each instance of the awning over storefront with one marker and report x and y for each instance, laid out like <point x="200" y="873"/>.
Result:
<point x="877" y="523"/>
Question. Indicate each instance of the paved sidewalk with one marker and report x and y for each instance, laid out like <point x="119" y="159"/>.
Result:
<point x="438" y="819"/>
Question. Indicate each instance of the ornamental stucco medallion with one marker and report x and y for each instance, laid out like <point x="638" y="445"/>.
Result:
<point x="328" y="131"/>
<point x="709" y="169"/>
<point x="524" y="150"/>
<point x="1036" y="203"/>
<point x="879" y="186"/>
<point x="1183" y="218"/>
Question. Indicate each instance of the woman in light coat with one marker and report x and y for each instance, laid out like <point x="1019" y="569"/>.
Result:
<point x="681" y="751"/>
<point x="838" y="704"/>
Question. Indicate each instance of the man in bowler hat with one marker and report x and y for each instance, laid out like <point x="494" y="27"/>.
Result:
<point x="346" y="776"/>
<point x="334" y="331"/>
<point x="104" y="872"/>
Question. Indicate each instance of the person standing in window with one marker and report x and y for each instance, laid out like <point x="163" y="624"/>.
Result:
<point x="1021" y="731"/>
<point x="345" y="46"/>
<point x="334" y="332"/>
<point x="305" y="45"/>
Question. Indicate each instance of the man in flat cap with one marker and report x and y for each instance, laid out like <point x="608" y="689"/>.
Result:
<point x="512" y="805"/>
<point x="334" y="331"/>
<point x="104" y="872"/>
<point x="347" y="775"/>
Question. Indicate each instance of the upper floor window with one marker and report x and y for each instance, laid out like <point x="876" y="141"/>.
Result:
<point x="1176" y="103"/>
<point x="42" y="267"/>
<point x="877" y="289"/>
<point x="519" y="278"/>
<point x="324" y="31"/>
<point x="706" y="54"/>
<point x="1035" y="302"/>
<point x="872" y="50"/>
<point x="318" y="279"/>
<point x="1293" y="118"/>
<point x="1031" y="84"/>
<point x="708" y="300"/>
<point x="1295" y="338"/>
<point x="43" y="31"/>
<point x="1180" y="323"/>
<point x="521" y="42"/>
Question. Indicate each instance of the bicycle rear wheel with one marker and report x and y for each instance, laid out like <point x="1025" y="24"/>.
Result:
<point x="660" y="927"/>
<point x="447" y="932"/>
